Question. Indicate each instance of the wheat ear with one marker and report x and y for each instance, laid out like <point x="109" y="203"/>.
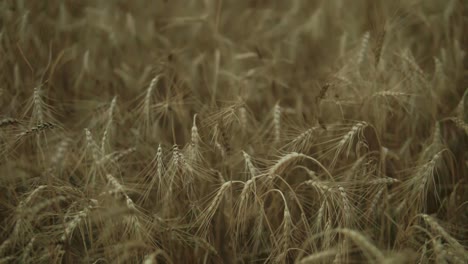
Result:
<point x="363" y="48"/>
<point x="110" y="117"/>
<point x="248" y="163"/>
<point x="149" y="91"/>
<point x="208" y="214"/>
<point x="8" y="122"/>
<point x="277" y="122"/>
<point x="37" y="99"/>
<point x="70" y="226"/>
<point x="432" y="222"/>
<point x="96" y="154"/>
<point x="37" y="129"/>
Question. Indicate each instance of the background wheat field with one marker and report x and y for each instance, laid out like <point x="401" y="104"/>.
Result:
<point x="234" y="131"/>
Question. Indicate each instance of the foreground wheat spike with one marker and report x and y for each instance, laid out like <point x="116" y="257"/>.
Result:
<point x="303" y="141"/>
<point x="244" y="204"/>
<point x="424" y="181"/>
<point x="133" y="226"/>
<point x="363" y="48"/>
<point x="36" y="129"/>
<point x="243" y="119"/>
<point x="117" y="187"/>
<point x="287" y="229"/>
<point x="435" y="226"/>
<point x="194" y="154"/>
<point x="149" y="92"/>
<point x="460" y="124"/>
<point x="277" y="122"/>
<point x="77" y="219"/>
<point x="38" y="103"/>
<point x="248" y="163"/>
<point x="347" y="214"/>
<point x="379" y="46"/>
<point x="195" y="136"/>
<point x="346" y="142"/>
<point x="95" y="151"/>
<point x="154" y="176"/>
<point x="381" y="181"/>
<point x="8" y="122"/>
<point x="375" y="201"/>
<point x="208" y="214"/>
<point x="114" y="157"/>
<point x="108" y="126"/>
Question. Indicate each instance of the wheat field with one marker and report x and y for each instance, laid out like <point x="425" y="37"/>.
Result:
<point x="225" y="131"/>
